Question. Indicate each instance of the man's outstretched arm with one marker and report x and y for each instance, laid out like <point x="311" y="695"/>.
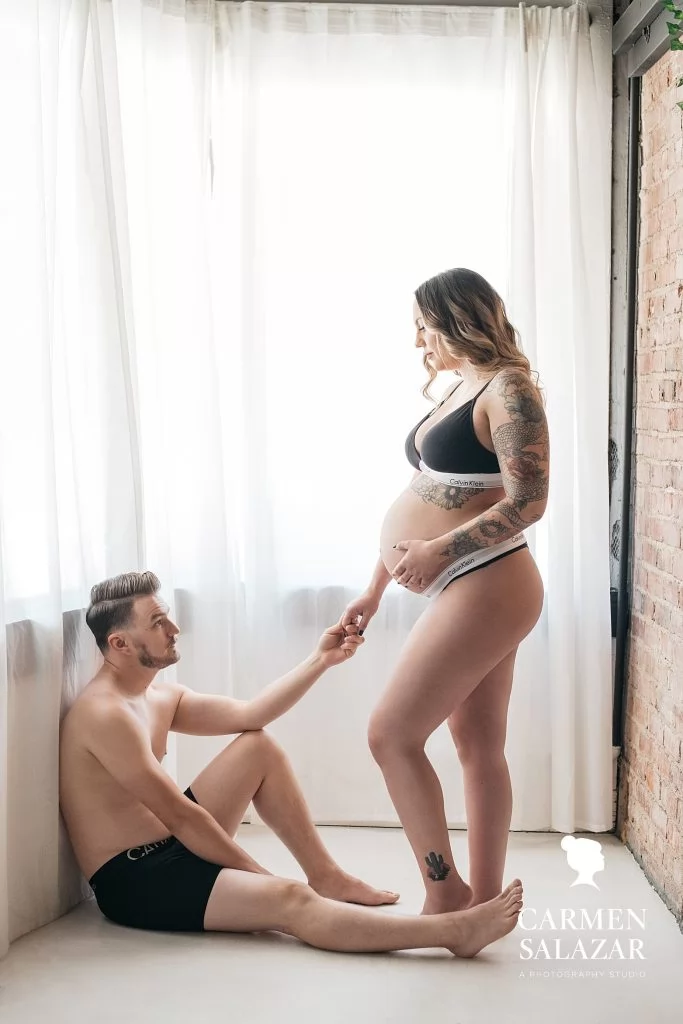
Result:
<point x="203" y="714"/>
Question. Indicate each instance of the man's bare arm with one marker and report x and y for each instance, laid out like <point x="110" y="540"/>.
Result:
<point x="121" y="745"/>
<point x="203" y="714"/>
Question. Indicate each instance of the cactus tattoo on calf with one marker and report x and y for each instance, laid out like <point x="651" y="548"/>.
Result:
<point x="438" y="869"/>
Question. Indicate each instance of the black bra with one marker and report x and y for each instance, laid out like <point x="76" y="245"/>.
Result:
<point x="452" y="445"/>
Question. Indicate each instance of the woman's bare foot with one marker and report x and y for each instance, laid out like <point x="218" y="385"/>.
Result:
<point x="473" y="929"/>
<point x="455" y="898"/>
<point x="340" y="886"/>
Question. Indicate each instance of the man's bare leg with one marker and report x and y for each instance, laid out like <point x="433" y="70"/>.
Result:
<point x="246" y="902"/>
<point x="254" y="767"/>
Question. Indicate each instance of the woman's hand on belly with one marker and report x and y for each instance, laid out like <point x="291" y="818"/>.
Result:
<point x="411" y="516"/>
<point x="421" y="563"/>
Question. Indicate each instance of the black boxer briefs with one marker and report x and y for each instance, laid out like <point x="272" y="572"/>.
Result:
<point x="161" y="886"/>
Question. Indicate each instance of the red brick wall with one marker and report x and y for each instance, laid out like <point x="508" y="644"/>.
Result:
<point x="650" y="818"/>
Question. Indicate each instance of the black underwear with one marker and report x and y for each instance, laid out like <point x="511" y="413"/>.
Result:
<point x="161" y="886"/>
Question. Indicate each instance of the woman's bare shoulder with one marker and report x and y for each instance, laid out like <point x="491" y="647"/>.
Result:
<point x="516" y="392"/>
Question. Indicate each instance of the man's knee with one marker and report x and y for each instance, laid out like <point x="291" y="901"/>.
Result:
<point x="261" y="744"/>
<point x="294" y="898"/>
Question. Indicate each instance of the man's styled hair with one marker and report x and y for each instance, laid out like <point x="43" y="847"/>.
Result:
<point x="111" y="603"/>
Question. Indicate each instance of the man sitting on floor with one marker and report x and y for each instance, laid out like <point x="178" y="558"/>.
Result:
<point x="161" y="859"/>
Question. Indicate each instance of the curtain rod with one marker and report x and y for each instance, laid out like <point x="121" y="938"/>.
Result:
<point x="426" y="3"/>
<point x="592" y="5"/>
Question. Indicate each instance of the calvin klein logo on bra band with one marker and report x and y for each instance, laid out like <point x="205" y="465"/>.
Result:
<point x="138" y="852"/>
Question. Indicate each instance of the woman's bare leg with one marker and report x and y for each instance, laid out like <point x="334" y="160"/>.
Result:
<point x="242" y="901"/>
<point x="478" y="728"/>
<point x="464" y="633"/>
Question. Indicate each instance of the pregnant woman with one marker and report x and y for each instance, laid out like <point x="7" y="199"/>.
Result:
<point x="455" y="536"/>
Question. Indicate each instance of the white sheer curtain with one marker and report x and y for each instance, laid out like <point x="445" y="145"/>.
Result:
<point x="214" y="216"/>
<point x="366" y="149"/>
<point x="113" y="413"/>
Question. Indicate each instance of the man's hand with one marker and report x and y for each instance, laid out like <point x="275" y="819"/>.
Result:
<point x="338" y="644"/>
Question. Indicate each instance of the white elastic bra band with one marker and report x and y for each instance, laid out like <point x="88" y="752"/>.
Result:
<point x="478" y="480"/>
<point x="471" y="561"/>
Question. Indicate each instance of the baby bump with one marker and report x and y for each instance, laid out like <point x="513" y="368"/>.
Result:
<point x="409" y="518"/>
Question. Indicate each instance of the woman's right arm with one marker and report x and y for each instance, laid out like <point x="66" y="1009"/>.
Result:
<point x="381" y="577"/>
<point x="367" y="604"/>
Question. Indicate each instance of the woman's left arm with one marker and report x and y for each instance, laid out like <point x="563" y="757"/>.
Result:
<point x="519" y="431"/>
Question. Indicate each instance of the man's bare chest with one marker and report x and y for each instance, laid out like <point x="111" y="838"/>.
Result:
<point x="156" y="714"/>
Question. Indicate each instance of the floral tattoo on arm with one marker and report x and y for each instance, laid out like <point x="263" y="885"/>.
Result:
<point x="522" y="447"/>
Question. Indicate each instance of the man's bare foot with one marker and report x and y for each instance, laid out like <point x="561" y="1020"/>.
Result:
<point x="340" y="886"/>
<point x="473" y="929"/>
<point x="445" y="903"/>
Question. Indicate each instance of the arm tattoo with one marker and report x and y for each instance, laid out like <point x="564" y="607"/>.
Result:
<point x="461" y="543"/>
<point x="521" y="445"/>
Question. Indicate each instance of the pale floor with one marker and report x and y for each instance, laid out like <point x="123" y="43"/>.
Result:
<point x="82" y="968"/>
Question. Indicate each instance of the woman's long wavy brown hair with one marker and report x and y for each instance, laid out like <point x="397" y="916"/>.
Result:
<point x="469" y="316"/>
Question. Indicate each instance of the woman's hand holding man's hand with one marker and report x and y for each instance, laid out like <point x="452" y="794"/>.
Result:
<point x="359" y="612"/>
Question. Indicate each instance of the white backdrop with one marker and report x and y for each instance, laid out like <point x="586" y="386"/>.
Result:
<point x="208" y="365"/>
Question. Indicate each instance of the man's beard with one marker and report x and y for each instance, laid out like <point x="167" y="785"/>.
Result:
<point x="149" y="661"/>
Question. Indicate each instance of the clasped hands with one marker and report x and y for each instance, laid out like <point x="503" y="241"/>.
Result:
<point x="420" y="564"/>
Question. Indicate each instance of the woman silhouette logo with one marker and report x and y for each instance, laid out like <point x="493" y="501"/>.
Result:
<point x="584" y="856"/>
